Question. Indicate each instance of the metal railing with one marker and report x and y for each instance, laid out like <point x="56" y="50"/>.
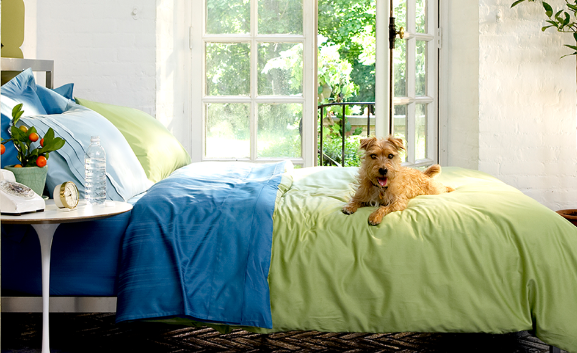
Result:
<point x="322" y="155"/>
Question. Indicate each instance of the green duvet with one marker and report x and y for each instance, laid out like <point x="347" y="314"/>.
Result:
<point x="484" y="258"/>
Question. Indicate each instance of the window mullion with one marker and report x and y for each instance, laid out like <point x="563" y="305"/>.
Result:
<point x="253" y="78"/>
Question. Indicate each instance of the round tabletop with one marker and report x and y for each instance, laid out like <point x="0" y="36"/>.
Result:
<point x="83" y="212"/>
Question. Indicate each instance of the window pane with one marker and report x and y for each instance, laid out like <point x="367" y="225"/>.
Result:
<point x="227" y="16"/>
<point x="421" y="20"/>
<point x="400" y="68"/>
<point x="279" y="127"/>
<point x="280" y="17"/>
<point x="227" y="69"/>
<point x="421" y="131"/>
<point x="400" y="13"/>
<point x="421" y="68"/>
<point x="227" y="130"/>
<point x="400" y="126"/>
<point x="280" y="69"/>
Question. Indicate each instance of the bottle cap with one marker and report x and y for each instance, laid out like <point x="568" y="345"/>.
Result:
<point x="94" y="138"/>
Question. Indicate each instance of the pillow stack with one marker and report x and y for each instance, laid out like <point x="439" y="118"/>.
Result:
<point x="139" y="150"/>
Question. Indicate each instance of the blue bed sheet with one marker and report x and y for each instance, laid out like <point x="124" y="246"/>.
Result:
<point x="84" y="259"/>
<point x="198" y="245"/>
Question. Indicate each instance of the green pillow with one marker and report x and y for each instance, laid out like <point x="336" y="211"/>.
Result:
<point x="156" y="148"/>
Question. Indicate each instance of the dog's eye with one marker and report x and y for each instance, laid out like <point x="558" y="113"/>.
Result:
<point x="373" y="156"/>
<point x="391" y="156"/>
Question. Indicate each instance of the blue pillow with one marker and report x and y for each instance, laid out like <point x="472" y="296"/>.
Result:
<point x="10" y="155"/>
<point x="65" y="90"/>
<point x="52" y="102"/>
<point x="21" y="89"/>
<point x="125" y="176"/>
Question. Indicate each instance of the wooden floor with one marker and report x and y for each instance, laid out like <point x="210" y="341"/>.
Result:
<point x="86" y="333"/>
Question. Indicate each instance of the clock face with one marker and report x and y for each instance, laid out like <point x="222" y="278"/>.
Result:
<point x="66" y="195"/>
<point x="70" y="195"/>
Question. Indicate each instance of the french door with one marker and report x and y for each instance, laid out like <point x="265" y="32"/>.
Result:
<point x="253" y="61"/>
<point x="254" y="79"/>
<point x="414" y="93"/>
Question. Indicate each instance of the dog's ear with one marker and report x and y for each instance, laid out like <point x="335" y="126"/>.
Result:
<point x="398" y="143"/>
<point x="368" y="142"/>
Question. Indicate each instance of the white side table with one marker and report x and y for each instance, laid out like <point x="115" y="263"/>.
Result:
<point x="45" y="224"/>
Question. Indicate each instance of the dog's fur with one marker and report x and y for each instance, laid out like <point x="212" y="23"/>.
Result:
<point x="383" y="182"/>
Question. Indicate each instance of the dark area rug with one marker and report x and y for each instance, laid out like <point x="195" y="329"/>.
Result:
<point x="87" y="333"/>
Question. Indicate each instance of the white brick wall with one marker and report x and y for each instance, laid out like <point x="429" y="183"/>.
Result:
<point x="527" y="100"/>
<point x="100" y="45"/>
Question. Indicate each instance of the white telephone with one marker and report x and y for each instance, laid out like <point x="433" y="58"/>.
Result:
<point x="16" y="198"/>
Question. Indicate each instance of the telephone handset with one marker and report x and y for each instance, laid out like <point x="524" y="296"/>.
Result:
<point x="16" y="198"/>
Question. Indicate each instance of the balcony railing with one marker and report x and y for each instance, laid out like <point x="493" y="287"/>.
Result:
<point x="370" y="108"/>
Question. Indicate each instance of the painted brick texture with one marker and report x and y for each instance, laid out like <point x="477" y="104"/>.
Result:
<point x="527" y="100"/>
<point x="107" y="48"/>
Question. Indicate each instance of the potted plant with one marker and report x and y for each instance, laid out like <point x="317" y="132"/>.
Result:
<point x="32" y="169"/>
<point x="563" y="20"/>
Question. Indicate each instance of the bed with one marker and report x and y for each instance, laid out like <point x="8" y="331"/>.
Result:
<point x="266" y="247"/>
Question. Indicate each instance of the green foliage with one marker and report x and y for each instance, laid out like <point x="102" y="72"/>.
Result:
<point x="563" y="20"/>
<point x="333" y="149"/>
<point x="27" y="154"/>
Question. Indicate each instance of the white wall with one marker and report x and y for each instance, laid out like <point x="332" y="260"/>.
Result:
<point x="106" y="47"/>
<point x="460" y="83"/>
<point x="526" y="123"/>
<point x="527" y="101"/>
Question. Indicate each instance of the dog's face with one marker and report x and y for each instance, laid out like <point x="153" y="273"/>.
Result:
<point x="381" y="160"/>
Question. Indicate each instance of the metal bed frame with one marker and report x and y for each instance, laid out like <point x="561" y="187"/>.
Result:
<point x="58" y="304"/>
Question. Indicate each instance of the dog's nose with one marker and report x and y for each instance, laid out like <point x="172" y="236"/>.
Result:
<point x="383" y="171"/>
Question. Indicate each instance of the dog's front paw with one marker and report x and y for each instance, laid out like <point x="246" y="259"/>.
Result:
<point x="376" y="218"/>
<point x="349" y="210"/>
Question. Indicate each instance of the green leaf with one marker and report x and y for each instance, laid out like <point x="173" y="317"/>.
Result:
<point x="16" y="109"/>
<point x="575" y="35"/>
<point x="544" y="28"/>
<point x="17" y="116"/>
<point x="548" y="9"/>
<point x="358" y="131"/>
<point x="572" y="7"/>
<point x="574" y="47"/>
<point x="517" y="3"/>
<point x="567" y="19"/>
<point x="17" y="134"/>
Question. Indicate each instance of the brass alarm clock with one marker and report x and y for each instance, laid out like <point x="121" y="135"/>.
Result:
<point x="66" y="195"/>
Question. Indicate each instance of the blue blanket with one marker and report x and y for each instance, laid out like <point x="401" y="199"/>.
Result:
<point x="198" y="246"/>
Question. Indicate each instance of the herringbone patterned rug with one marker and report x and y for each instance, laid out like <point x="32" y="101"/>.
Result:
<point x="87" y="333"/>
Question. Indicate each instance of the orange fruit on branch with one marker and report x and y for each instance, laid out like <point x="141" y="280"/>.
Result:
<point x="33" y="137"/>
<point x="41" y="161"/>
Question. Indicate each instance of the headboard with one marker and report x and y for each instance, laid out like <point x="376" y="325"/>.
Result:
<point x="15" y="66"/>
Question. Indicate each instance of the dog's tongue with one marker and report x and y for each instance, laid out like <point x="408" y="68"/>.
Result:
<point x="383" y="182"/>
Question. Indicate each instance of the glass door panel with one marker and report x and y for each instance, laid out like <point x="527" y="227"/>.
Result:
<point x="280" y="16"/>
<point x="279" y="127"/>
<point x="227" y="69"/>
<point x="280" y="69"/>
<point x="414" y="79"/>
<point x="254" y="91"/>
<point x="227" y="130"/>
<point x="227" y="17"/>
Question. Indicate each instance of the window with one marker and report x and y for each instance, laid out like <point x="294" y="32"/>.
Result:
<point x="415" y="76"/>
<point x="255" y="93"/>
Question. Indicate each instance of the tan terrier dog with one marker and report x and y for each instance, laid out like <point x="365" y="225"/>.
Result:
<point x="383" y="182"/>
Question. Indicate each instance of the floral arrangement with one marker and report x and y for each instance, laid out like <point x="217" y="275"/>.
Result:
<point x="23" y="138"/>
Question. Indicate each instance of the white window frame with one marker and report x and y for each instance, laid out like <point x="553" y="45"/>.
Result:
<point x="198" y="38"/>
<point x="432" y="37"/>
